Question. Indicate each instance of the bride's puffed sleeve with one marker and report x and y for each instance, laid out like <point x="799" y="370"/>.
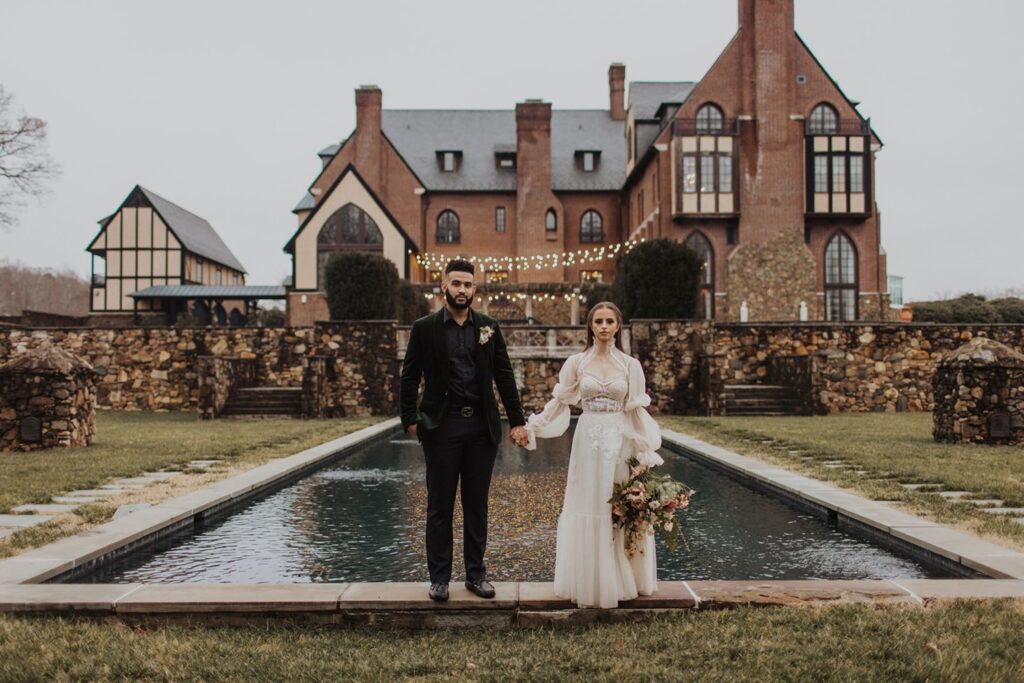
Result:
<point x="554" y="419"/>
<point x="643" y="430"/>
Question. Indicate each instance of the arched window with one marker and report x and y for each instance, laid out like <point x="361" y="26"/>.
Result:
<point x="699" y="244"/>
<point x="840" y="279"/>
<point x="448" y="228"/>
<point x="551" y="221"/>
<point x="591" y="227"/>
<point x="709" y="120"/>
<point x="824" y="120"/>
<point x="347" y="229"/>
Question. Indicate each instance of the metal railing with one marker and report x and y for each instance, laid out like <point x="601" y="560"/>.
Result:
<point x="691" y="127"/>
<point x="535" y="341"/>
<point x="843" y="127"/>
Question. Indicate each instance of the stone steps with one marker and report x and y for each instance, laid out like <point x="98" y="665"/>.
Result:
<point x="264" y="401"/>
<point x="761" y="400"/>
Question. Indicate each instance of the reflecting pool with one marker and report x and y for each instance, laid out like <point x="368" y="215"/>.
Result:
<point x="361" y="519"/>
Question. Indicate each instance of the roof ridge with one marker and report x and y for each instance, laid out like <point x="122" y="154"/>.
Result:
<point x="175" y="205"/>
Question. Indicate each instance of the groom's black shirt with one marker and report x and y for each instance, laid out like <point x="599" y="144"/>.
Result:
<point x="463" y="382"/>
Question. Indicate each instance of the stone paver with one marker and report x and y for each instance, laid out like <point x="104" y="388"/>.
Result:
<point x="63" y="597"/>
<point x="983" y="502"/>
<point x="44" y="508"/>
<point x="74" y="500"/>
<point x="954" y="495"/>
<point x="166" y="598"/>
<point x="1004" y="511"/>
<point x="720" y="594"/>
<point x="918" y="487"/>
<point x="91" y="493"/>
<point x="133" y="482"/>
<point x="23" y="521"/>
<point x="6" y="532"/>
<point x="413" y="596"/>
<point x="160" y="476"/>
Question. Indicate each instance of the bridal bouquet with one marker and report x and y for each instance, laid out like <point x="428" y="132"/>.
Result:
<point x="647" y="502"/>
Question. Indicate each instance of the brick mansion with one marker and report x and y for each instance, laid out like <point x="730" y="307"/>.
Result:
<point x="763" y="166"/>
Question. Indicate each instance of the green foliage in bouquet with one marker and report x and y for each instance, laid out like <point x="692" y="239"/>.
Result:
<point x="647" y="502"/>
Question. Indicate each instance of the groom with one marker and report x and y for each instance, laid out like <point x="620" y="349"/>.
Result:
<point x="462" y="354"/>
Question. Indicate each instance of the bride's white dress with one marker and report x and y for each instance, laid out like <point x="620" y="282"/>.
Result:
<point x="591" y="565"/>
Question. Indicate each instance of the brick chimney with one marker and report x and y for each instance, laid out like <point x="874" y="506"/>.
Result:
<point x="617" y="91"/>
<point x="771" y="149"/>
<point x="533" y="187"/>
<point x="369" y="147"/>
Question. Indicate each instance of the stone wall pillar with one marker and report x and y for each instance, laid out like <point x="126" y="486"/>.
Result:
<point x="47" y="399"/>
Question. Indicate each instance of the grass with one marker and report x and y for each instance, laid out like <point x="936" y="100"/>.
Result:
<point x="962" y="641"/>
<point x="130" y="443"/>
<point x="892" y="448"/>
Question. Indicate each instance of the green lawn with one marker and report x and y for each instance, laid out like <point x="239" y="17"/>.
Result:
<point x="893" y="448"/>
<point x="957" y="641"/>
<point x="129" y="443"/>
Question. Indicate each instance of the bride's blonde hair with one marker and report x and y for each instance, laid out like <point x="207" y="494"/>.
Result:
<point x="590" y="321"/>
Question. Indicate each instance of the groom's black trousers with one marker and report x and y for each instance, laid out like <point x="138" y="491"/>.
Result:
<point x="460" y="448"/>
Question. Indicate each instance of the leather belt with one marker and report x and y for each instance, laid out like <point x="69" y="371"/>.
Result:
<point x="463" y="411"/>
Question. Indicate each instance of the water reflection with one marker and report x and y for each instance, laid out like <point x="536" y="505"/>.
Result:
<point x="362" y="520"/>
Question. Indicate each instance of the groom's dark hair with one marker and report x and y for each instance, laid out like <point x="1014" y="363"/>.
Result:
<point x="461" y="265"/>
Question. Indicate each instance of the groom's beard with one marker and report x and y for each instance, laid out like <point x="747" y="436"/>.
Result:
<point x="455" y="304"/>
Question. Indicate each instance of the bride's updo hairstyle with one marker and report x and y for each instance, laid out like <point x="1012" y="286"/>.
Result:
<point x="590" y="323"/>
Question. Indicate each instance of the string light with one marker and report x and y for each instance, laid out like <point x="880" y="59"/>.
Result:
<point x="436" y="261"/>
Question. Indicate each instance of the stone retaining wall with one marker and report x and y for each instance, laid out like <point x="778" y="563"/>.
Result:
<point x="852" y="367"/>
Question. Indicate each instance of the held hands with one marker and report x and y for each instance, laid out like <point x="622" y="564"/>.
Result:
<point x="518" y="436"/>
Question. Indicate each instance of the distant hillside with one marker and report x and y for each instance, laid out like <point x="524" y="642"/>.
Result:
<point x="41" y="289"/>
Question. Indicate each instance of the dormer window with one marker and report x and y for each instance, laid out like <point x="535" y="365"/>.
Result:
<point x="449" y="160"/>
<point x="587" y="160"/>
<point x="505" y="160"/>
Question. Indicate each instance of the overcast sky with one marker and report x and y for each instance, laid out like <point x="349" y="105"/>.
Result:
<point x="221" y="106"/>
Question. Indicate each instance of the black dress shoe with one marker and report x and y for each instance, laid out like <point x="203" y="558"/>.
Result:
<point x="438" y="592"/>
<point x="481" y="587"/>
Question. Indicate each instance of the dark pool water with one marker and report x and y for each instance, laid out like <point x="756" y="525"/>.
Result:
<point x="361" y="519"/>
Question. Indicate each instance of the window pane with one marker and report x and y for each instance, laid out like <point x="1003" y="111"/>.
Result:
<point x="448" y="228"/>
<point x="700" y="245"/>
<point x="724" y="173"/>
<point x="821" y="173"/>
<point x="689" y="174"/>
<point x="707" y="173"/>
<point x="499" y="219"/>
<point x="856" y="174"/>
<point x="551" y="221"/>
<point x="824" y="120"/>
<point x="839" y="174"/>
<point x="588" y="161"/>
<point x="709" y="120"/>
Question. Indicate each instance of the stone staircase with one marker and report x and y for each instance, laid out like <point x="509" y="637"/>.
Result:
<point x="761" y="399"/>
<point x="257" y="401"/>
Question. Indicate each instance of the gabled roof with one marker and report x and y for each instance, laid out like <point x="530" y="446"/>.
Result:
<point x="646" y="97"/>
<point x="195" y="233"/>
<point x="419" y="134"/>
<point x="409" y="243"/>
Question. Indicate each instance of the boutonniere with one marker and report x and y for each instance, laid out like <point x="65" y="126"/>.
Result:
<point x="485" y="334"/>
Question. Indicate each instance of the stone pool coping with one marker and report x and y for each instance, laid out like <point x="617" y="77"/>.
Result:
<point x="956" y="550"/>
<point x="524" y="603"/>
<point x="516" y="604"/>
<point x="77" y="554"/>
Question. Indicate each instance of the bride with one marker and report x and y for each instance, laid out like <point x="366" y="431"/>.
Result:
<point x="592" y="567"/>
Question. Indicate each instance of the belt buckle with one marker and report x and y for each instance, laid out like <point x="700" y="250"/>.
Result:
<point x="466" y="411"/>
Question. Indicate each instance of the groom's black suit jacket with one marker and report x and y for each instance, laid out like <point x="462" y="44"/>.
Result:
<point x="427" y="356"/>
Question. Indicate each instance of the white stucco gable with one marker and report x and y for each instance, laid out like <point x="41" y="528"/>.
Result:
<point x="348" y="189"/>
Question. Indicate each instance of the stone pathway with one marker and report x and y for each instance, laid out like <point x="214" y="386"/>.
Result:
<point x="31" y="514"/>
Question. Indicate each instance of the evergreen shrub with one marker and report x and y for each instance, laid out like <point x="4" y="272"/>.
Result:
<point x="658" y="279"/>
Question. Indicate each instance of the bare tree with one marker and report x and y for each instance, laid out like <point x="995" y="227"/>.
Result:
<point x="25" y="163"/>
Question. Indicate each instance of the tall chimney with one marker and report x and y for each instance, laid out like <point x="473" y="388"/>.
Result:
<point x="368" y="141"/>
<point x="617" y="91"/>
<point x="533" y="186"/>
